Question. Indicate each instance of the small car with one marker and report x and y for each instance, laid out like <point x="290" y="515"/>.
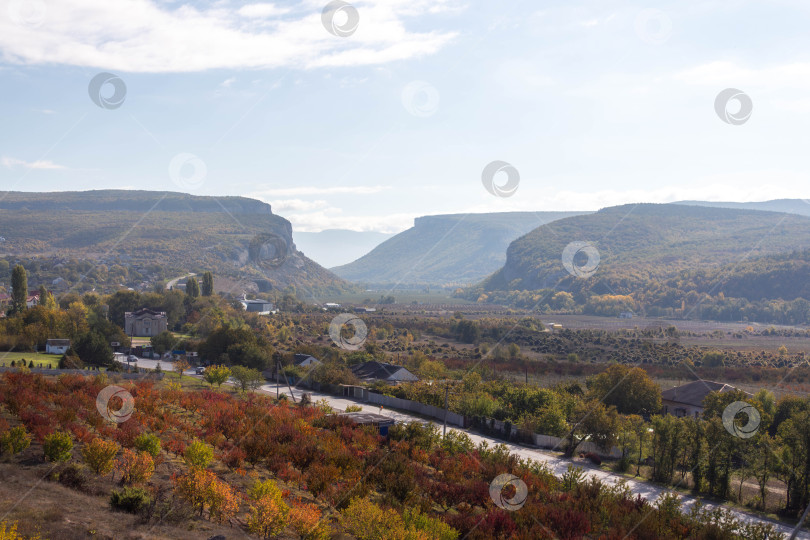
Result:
<point x="200" y="370"/>
<point x="132" y="358"/>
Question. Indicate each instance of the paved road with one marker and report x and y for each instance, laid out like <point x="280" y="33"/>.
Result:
<point x="165" y="365"/>
<point x="171" y="283"/>
<point x="555" y="463"/>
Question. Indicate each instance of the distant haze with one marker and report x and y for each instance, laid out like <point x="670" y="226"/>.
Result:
<point x="334" y="247"/>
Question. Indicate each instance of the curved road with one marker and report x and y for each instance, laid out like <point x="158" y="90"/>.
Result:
<point x="557" y="465"/>
<point x="171" y="283"/>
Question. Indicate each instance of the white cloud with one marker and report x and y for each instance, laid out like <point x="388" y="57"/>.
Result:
<point x="11" y="163"/>
<point x="724" y="74"/>
<point x="296" y="205"/>
<point x="313" y="190"/>
<point x="151" y="36"/>
<point x="262" y="10"/>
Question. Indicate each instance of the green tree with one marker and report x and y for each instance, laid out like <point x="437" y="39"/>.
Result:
<point x="592" y="421"/>
<point x="666" y="441"/>
<point x="713" y="359"/>
<point x="630" y="390"/>
<point x="93" y="349"/>
<point x="19" y="289"/>
<point x="207" y="284"/>
<point x="250" y="355"/>
<point x="247" y="378"/>
<point x="46" y="299"/>
<point x="163" y="342"/>
<point x="149" y="443"/>
<point x="192" y="287"/>
<point x="57" y="446"/>
<point x="198" y="455"/>
<point x="121" y="302"/>
<point x="15" y="440"/>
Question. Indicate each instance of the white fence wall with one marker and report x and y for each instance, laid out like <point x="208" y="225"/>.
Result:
<point x="453" y="419"/>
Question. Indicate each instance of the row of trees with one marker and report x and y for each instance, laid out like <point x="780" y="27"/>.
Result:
<point x="194" y="289"/>
<point x="619" y="409"/>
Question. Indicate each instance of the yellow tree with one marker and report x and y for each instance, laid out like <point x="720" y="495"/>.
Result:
<point x="180" y="367"/>
<point x="269" y="514"/>
<point x="76" y="319"/>
<point x="217" y="375"/>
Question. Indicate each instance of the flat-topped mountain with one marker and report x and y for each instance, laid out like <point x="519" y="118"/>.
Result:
<point x="235" y="237"/>
<point x="445" y="249"/>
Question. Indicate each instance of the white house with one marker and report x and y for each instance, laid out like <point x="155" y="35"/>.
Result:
<point x="57" y="346"/>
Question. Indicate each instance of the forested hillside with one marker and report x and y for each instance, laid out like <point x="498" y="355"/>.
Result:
<point x="117" y="231"/>
<point x="673" y="260"/>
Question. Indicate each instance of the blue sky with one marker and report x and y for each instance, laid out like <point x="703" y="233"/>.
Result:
<point x="593" y="103"/>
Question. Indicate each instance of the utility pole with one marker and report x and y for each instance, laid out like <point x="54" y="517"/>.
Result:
<point x="446" y="392"/>
<point x="286" y="378"/>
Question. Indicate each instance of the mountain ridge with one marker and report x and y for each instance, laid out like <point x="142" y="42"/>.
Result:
<point x="445" y="249"/>
<point x="237" y="238"/>
<point x="658" y="258"/>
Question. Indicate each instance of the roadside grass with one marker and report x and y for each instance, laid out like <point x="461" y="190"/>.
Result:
<point x="47" y="360"/>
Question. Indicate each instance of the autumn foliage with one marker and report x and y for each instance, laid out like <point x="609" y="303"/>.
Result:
<point x="346" y="478"/>
<point x="99" y="455"/>
<point x="135" y="467"/>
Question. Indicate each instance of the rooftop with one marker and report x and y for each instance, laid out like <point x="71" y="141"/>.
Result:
<point x="695" y="392"/>
<point x="369" y="419"/>
<point x="382" y="371"/>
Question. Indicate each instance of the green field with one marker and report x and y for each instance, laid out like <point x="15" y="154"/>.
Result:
<point x="47" y="360"/>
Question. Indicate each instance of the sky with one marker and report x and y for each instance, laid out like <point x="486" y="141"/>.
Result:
<point x="368" y="114"/>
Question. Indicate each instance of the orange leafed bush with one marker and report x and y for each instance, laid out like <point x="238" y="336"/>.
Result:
<point x="135" y="467"/>
<point x="307" y="521"/>
<point x="268" y="516"/>
<point x="223" y="501"/>
<point x="203" y="490"/>
<point x="100" y="455"/>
